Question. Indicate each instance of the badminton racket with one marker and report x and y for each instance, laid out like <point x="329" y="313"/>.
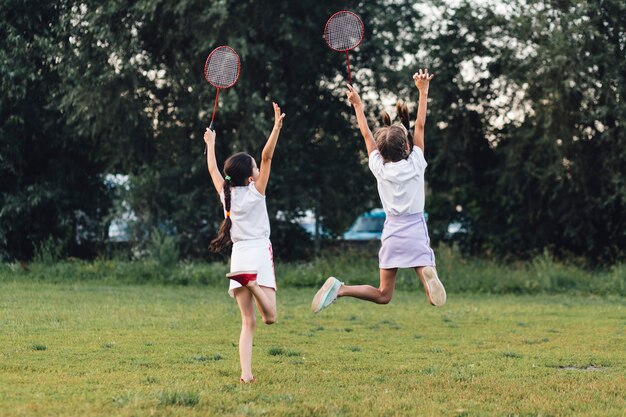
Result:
<point x="221" y="70"/>
<point x="344" y="32"/>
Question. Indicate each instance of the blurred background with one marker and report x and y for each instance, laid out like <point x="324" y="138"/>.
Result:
<point x="104" y="104"/>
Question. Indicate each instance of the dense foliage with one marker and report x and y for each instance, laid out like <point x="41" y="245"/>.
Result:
<point x="525" y="135"/>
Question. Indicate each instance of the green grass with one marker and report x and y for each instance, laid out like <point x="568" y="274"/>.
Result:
<point x="542" y="275"/>
<point x="90" y="349"/>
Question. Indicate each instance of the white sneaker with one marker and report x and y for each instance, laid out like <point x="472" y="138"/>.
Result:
<point x="435" y="291"/>
<point x="326" y="295"/>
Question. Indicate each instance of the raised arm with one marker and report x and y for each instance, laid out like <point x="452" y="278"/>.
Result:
<point x="268" y="151"/>
<point x="211" y="162"/>
<point x="422" y="81"/>
<point x="355" y="100"/>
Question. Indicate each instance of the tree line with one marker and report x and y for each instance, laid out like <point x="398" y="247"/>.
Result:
<point x="524" y="136"/>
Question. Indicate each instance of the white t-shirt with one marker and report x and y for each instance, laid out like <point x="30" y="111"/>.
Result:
<point x="248" y="213"/>
<point x="401" y="183"/>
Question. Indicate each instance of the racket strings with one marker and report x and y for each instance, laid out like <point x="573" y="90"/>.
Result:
<point x="344" y="31"/>
<point x="222" y="69"/>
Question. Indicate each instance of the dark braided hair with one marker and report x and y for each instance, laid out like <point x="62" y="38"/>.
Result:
<point x="391" y="139"/>
<point x="239" y="168"/>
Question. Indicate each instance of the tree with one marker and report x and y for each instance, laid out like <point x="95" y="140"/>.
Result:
<point x="152" y="79"/>
<point x="51" y="185"/>
<point x="524" y="134"/>
<point x="562" y="171"/>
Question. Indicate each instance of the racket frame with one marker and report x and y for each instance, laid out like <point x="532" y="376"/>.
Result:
<point x="360" y="23"/>
<point x="219" y="87"/>
<point x="206" y="77"/>
<point x="206" y="66"/>
<point x="347" y="49"/>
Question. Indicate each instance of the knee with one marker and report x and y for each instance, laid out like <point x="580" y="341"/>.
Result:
<point x="248" y="323"/>
<point x="269" y="319"/>
<point x="384" y="298"/>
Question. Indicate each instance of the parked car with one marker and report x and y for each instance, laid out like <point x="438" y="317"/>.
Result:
<point x="368" y="226"/>
<point x="454" y="229"/>
<point x="119" y="231"/>
<point x="307" y="223"/>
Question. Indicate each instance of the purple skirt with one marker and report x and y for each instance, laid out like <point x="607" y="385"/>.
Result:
<point x="405" y="242"/>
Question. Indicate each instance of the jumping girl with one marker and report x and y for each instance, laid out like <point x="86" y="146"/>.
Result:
<point x="399" y="171"/>
<point x="246" y="225"/>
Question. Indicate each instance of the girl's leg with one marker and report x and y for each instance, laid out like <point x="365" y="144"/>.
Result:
<point x="435" y="292"/>
<point x="381" y="295"/>
<point x="265" y="300"/>
<point x="248" y="320"/>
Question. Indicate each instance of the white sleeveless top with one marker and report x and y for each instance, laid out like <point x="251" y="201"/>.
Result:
<point x="248" y="213"/>
<point x="401" y="183"/>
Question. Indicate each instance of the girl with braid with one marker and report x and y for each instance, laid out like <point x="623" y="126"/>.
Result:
<point x="396" y="158"/>
<point x="246" y="224"/>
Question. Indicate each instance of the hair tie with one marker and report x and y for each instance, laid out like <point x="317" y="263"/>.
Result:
<point x="227" y="178"/>
<point x="228" y="214"/>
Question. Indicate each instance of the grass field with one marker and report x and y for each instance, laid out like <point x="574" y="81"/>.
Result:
<point x="88" y="349"/>
<point x="539" y="275"/>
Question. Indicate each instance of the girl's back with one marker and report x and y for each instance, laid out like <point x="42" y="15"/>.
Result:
<point x="246" y="225"/>
<point x="399" y="171"/>
<point x="401" y="183"/>
<point x="248" y="213"/>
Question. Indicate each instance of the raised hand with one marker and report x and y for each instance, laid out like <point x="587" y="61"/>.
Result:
<point x="278" y="117"/>
<point x="209" y="136"/>
<point x="422" y="80"/>
<point x="353" y="96"/>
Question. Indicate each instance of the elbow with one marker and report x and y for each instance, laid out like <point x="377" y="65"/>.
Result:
<point x="266" y="158"/>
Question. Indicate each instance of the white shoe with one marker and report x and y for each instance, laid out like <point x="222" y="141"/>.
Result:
<point x="326" y="295"/>
<point x="435" y="291"/>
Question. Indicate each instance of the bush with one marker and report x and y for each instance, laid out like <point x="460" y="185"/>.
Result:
<point x="291" y="242"/>
<point x="48" y="251"/>
<point x="162" y="249"/>
<point x="353" y="265"/>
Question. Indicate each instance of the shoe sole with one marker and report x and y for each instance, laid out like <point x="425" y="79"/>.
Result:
<point x="320" y="297"/>
<point x="435" y="291"/>
<point x="242" y="277"/>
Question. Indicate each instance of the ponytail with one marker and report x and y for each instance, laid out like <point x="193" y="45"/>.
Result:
<point x="237" y="169"/>
<point x="385" y="118"/>
<point x="392" y="139"/>
<point x="223" y="235"/>
<point x="403" y="115"/>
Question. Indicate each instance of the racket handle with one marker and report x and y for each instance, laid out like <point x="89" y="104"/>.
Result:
<point x="349" y="72"/>
<point x="212" y="130"/>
